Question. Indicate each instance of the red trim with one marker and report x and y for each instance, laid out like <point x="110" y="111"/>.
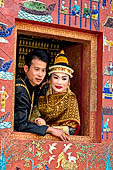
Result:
<point x="99" y="87"/>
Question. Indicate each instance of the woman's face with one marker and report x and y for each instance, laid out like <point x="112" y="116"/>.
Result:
<point x="59" y="82"/>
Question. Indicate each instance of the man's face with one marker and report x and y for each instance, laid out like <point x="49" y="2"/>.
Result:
<point x="59" y="82"/>
<point x="36" y="72"/>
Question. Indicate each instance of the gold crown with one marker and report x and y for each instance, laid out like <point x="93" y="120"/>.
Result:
<point x="58" y="65"/>
<point x="61" y="58"/>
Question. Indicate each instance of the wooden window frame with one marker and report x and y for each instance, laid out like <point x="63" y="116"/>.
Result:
<point x="92" y="95"/>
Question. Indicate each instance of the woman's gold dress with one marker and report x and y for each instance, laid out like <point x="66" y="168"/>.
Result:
<point x="59" y="110"/>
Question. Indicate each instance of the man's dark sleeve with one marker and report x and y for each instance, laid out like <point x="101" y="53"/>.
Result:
<point x="21" y="122"/>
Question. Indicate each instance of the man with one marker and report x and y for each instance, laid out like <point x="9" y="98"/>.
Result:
<point x="27" y="93"/>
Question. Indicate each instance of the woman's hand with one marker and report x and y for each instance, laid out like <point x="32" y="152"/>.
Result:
<point x="40" y="121"/>
<point x="58" y="133"/>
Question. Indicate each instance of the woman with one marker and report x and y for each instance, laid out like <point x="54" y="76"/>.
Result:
<point x="59" y="108"/>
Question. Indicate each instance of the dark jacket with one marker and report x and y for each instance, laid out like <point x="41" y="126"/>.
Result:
<point x="23" y="98"/>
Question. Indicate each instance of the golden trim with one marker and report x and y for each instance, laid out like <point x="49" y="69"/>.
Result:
<point x="30" y="136"/>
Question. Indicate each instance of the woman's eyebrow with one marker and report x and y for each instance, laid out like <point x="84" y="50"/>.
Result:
<point x="55" y="74"/>
<point x="64" y="76"/>
<point x="61" y="76"/>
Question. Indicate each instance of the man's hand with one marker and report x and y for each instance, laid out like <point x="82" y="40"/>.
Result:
<point x="58" y="133"/>
<point x="40" y="121"/>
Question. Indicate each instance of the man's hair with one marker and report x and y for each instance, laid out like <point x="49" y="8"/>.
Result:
<point x="39" y="54"/>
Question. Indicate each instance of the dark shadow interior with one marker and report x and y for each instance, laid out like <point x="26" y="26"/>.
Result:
<point x="74" y="52"/>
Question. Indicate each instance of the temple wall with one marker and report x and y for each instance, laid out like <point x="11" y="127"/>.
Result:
<point x="29" y="152"/>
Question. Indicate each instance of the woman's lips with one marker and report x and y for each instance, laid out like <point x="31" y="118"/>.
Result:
<point x="58" y="87"/>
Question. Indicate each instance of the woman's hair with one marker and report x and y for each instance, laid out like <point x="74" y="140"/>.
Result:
<point x="39" y="54"/>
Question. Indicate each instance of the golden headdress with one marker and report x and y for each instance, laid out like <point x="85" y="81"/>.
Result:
<point x="61" y="64"/>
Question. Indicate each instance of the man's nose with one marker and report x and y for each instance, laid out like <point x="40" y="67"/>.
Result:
<point x="40" y="73"/>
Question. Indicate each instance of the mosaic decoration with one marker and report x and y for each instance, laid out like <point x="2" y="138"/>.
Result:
<point x="4" y="97"/>
<point x="8" y="152"/>
<point x="104" y="4"/>
<point x="3" y="40"/>
<point x="65" y="160"/>
<point x="108" y="43"/>
<point x="82" y="155"/>
<point x="87" y="12"/>
<point x="5" y="66"/>
<point x="5" y="124"/>
<point x="61" y="160"/>
<point x="108" y="24"/>
<point x="75" y="8"/>
<point x="41" y="18"/>
<point x="69" y="160"/>
<point x="2" y="118"/>
<point x="47" y="168"/>
<point x="33" y="152"/>
<point x="36" y="10"/>
<point x="89" y="16"/>
<point x="108" y="89"/>
<point x="52" y="147"/>
<point x="94" y="13"/>
<point x="87" y="154"/>
<point x="2" y="3"/>
<point x="111" y="3"/>
<point x="37" y="7"/>
<point x="3" y="161"/>
<point x="106" y="157"/>
<point x="5" y="29"/>
<point x="6" y="75"/>
<point x="107" y="128"/>
<point x="63" y="8"/>
<point x="66" y="164"/>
